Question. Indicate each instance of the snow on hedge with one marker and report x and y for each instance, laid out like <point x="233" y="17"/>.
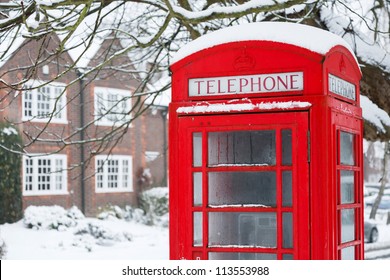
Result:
<point x="51" y="217"/>
<point x="155" y="204"/>
<point x="153" y="209"/>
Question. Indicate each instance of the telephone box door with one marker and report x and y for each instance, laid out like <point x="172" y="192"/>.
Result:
<point x="247" y="186"/>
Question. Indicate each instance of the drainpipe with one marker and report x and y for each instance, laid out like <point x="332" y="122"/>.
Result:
<point x="82" y="138"/>
<point x="164" y="114"/>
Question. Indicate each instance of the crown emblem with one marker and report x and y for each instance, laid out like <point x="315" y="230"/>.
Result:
<point x="244" y="62"/>
<point x="342" y="65"/>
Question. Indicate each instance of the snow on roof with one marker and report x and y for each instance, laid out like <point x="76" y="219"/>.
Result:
<point x="373" y="114"/>
<point x="305" y="36"/>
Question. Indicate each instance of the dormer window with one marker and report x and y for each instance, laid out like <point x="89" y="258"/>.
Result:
<point x="112" y="106"/>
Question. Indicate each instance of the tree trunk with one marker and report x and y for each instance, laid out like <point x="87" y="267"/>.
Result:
<point x="378" y="199"/>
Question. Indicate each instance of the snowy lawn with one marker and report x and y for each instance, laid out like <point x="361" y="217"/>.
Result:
<point x="148" y="242"/>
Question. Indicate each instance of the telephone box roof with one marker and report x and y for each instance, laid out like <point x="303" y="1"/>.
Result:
<point x="305" y="36"/>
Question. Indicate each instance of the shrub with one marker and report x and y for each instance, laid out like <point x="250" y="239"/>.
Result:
<point x="155" y="204"/>
<point x="51" y="217"/>
<point x="103" y="235"/>
<point x="111" y="212"/>
<point x="10" y="177"/>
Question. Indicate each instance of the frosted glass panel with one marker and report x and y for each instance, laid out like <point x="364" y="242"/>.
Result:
<point x="288" y="257"/>
<point x="241" y="256"/>
<point x="287" y="188"/>
<point x="287" y="230"/>
<point x="238" y="188"/>
<point x="286" y="147"/>
<point x="247" y="229"/>
<point x="347" y="225"/>
<point x="198" y="226"/>
<point x="347" y="156"/>
<point x="242" y="148"/>
<point x="347" y="187"/>
<point x="197" y="188"/>
<point x="197" y="148"/>
<point x="348" y="253"/>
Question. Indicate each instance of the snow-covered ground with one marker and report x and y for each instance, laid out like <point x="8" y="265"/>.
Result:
<point x="82" y="238"/>
<point x="147" y="242"/>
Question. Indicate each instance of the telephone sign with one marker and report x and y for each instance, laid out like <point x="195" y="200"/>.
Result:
<point x="246" y="84"/>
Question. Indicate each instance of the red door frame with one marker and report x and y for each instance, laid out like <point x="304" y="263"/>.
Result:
<point x="349" y="124"/>
<point x="182" y="235"/>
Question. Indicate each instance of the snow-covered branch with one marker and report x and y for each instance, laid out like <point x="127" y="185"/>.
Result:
<point x="220" y="12"/>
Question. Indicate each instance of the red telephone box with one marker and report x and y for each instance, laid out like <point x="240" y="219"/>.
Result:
<point x="266" y="146"/>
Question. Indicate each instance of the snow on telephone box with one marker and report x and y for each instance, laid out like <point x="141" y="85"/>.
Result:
<point x="266" y="146"/>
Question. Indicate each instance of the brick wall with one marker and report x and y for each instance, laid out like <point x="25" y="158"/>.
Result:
<point x="144" y="134"/>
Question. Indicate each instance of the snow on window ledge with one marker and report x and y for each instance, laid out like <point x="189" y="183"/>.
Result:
<point x="43" y="193"/>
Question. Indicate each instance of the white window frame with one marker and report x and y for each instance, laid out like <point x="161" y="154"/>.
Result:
<point x="102" y="105"/>
<point x="32" y="97"/>
<point x="103" y="179"/>
<point x="31" y="177"/>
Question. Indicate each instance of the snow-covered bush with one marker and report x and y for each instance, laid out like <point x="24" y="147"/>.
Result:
<point x="51" y="217"/>
<point x="138" y="216"/>
<point x="10" y="177"/>
<point x="112" y="212"/>
<point x="155" y="204"/>
<point x="153" y="211"/>
<point x="75" y="213"/>
<point x="102" y="235"/>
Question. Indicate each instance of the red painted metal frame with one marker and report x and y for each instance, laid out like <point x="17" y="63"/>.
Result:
<point x="327" y="115"/>
<point x="298" y="122"/>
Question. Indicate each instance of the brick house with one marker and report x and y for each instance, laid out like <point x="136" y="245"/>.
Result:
<point x="59" y="120"/>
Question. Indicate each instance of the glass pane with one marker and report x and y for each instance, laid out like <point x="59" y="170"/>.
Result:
<point x="347" y="225"/>
<point x="239" y="188"/>
<point x="197" y="188"/>
<point x="242" y="148"/>
<point x="287" y="188"/>
<point x="247" y="229"/>
<point x="198" y="229"/>
<point x="197" y="148"/>
<point x="241" y="256"/>
<point x="347" y="187"/>
<point x="287" y="230"/>
<point x="288" y="257"/>
<point x="348" y="253"/>
<point x="286" y="147"/>
<point x="347" y="156"/>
